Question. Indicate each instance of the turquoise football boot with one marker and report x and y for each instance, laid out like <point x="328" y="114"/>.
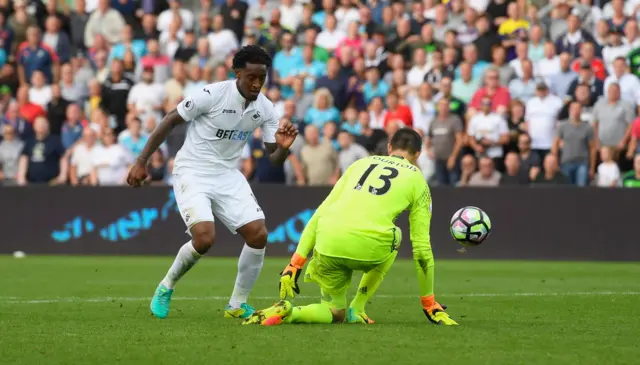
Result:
<point x="161" y="300"/>
<point x="244" y="311"/>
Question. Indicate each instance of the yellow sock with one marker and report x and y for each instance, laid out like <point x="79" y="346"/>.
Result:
<point x="312" y="313"/>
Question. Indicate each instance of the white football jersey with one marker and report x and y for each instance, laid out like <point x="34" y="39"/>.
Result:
<point x="219" y="127"/>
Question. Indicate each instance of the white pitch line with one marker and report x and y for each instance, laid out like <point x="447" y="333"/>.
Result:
<point x="15" y="300"/>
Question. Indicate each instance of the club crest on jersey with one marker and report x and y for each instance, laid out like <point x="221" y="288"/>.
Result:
<point x="188" y="104"/>
<point x="232" y="134"/>
<point x="255" y="117"/>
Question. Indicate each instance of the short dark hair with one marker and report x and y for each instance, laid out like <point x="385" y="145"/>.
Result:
<point x="406" y="139"/>
<point x="251" y="54"/>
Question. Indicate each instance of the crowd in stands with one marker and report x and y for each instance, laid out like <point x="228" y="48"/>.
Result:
<point x="504" y="92"/>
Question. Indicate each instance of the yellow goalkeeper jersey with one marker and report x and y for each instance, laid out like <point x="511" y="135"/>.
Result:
<point x="356" y="220"/>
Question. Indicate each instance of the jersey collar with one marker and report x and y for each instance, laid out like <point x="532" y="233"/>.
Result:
<point x="396" y="156"/>
<point x="236" y="93"/>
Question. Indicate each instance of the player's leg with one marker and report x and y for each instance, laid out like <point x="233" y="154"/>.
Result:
<point x="195" y="209"/>
<point x="366" y="289"/>
<point x="236" y="207"/>
<point x="334" y="279"/>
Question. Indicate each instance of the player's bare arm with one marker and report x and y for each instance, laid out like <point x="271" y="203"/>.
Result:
<point x="138" y="173"/>
<point x="285" y="135"/>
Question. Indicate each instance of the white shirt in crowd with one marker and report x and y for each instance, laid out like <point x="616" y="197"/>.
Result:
<point x="608" y="175"/>
<point x="490" y="126"/>
<point x="219" y="127"/>
<point x="548" y="67"/>
<point x="542" y="116"/>
<point x="145" y="97"/>
<point x="377" y="121"/>
<point x="629" y="87"/>
<point x="423" y="113"/>
<point x="112" y="164"/>
<point x="291" y="16"/>
<point x="222" y="42"/>
<point x="329" y="40"/>
<point x="346" y="17"/>
<point x="416" y="74"/>
<point x="169" y="46"/>
<point x="516" y="65"/>
<point x="166" y="17"/>
<point x="610" y="53"/>
<point x="82" y="159"/>
<point x="41" y="96"/>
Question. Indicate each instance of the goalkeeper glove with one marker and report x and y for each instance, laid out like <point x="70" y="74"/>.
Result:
<point x="289" y="277"/>
<point x="435" y="312"/>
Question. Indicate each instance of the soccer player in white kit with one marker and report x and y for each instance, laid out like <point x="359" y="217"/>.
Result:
<point x="221" y="117"/>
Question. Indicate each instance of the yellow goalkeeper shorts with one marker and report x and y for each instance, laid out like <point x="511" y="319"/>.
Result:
<point x="334" y="275"/>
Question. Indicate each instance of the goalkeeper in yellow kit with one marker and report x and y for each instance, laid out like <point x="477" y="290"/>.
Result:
<point x="354" y="230"/>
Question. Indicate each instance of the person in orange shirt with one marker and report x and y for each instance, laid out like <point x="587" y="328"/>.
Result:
<point x="28" y="110"/>
<point x="397" y="111"/>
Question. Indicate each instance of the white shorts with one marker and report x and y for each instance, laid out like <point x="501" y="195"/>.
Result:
<point x="227" y="196"/>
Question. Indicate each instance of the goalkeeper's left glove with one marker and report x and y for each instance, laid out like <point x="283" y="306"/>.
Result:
<point x="289" y="277"/>
<point x="435" y="312"/>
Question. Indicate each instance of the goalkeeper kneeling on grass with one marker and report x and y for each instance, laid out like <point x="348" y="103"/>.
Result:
<point x="354" y="230"/>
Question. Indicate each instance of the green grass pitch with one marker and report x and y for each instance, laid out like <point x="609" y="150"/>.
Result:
<point x="94" y="310"/>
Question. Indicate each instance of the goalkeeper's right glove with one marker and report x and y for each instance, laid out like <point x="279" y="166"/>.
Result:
<point x="435" y="312"/>
<point x="289" y="277"/>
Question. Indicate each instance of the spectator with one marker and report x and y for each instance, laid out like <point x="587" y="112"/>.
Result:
<point x="612" y="119"/>
<point x="522" y="54"/>
<point x="158" y="168"/>
<point x="41" y="159"/>
<point x="20" y="22"/>
<point x="541" y="116"/>
<point x="524" y="88"/>
<point x="350" y="151"/>
<point x="629" y="83"/>
<point x="319" y="160"/>
<point x="499" y="62"/>
<point x="634" y="147"/>
<point x="465" y="86"/>
<point x="147" y="96"/>
<point x="27" y="110"/>
<point x="335" y="83"/>
<point x="204" y="59"/>
<point x="444" y="142"/>
<point x="77" y="22"/>
<point x="416" y="75"/>
<point x="514" y="174"/>
<point x="69" y="89"/>
<point x="486" y="40"/>
<point x="323" y="109"/>
<point x="56" y="110"/>
<point x="608" y="171"/>
<point x="397" y="111"/>
<point x="470" y="56"/>
<point x="222" y="41"/>
<point x="528" y="160"/>
<point x="588" y="57"/>
<point x="561" y="81"/>
<point x="551" y="174"/>
<point x="72" y="127"/>
<point x="573" y="40"/>
<point x="615" y="49"/>
<point x="488" y="133"/>
<point x="516" y="123"/>
<point x="514" y="28"/>
<point x="10" y="150"/>
<point x="631" y="179"/>
<point x="350" y="123"/>
<point x="56" y="39"/>
<point x="33" y="55"/>
<point x="331" y="36"/>
<point x="105" y="22"/>
<point x="115" y="92"/>
<point x="39" y="93"/>
<point x="457" y="106"/>
<point x="286" y="62"/>
<point x="538" y="47"/>
<point x="549" y="65"/>
<point x="486" y="176"/>
<point x="170" y="40"/>
<point x="353" y="41"/>
<point x="23" y="130"/>
<point x="423" y="108"/>
<point x="158" y="61"/>
<point x="234" y="13"/>
<point x="374" y="86"/>
<point x="111" y="161"/>
<point x="137" y="46"/>
<point x="175" y="10"/>
<point x="575" y="139"/>
<point x="499" y="95"/>
<point x="467" y="169"/>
